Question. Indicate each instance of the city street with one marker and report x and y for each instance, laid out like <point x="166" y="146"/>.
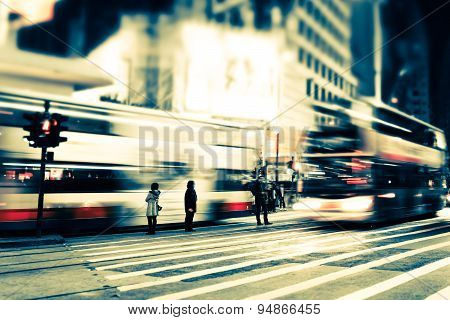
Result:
<point x="292" y="259"/>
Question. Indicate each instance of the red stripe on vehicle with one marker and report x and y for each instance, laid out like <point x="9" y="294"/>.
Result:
<point x="9" y="215"/>
<point x="399" y="157"/>
<point x="237" y="206"/>
<point x="22" y="214"/>
<point x="90" y="212"/>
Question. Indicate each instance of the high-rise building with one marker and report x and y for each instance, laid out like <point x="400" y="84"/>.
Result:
<point x="320" y="33"/>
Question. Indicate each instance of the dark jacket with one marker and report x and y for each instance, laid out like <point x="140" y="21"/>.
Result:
<point x="190" y="200"/>
<point x="258" y="188"/>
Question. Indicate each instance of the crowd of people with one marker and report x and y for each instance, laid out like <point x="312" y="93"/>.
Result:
<point x="268" y="195"/>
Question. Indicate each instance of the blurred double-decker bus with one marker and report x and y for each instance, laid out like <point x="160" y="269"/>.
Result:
<point x="371" y="163"/>
<point x="99" y="178"/>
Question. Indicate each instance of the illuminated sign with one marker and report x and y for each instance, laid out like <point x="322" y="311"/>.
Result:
<point x="231" y="73"/>
<point x="33" y="11"/>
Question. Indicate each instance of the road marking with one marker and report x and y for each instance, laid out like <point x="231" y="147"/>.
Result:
<point x="153" y="270"/>
<point x="443" y="294"/>
<point x="296" y="268"/>
<point x="396" y="281"/>
<point x="188" y="243"/>
<point x="149" y="252"/>
<point x="212" y="260"/>
<point x="275" y="294"/>
<point x="204" y="272"/>
<point x="170" y="235"/>
<point x="206" y="233"/>
<point x="207" y="252"/>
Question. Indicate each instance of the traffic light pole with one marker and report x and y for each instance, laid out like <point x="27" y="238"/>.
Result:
<point x="40" y="212"/>
<point x="44" y="132"/>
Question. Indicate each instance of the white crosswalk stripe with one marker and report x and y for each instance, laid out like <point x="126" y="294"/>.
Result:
<point x="396" y="281"/>
<point x="202" y="262"/>
<point x="258" y="261"/>
<point x="295" y="268"/>
<point x="443" y="294"/>
<point x="216" y="245"/>
<point x="175" y="266"/>
<point x="188" y="243"/>
<point x="150" y="251"/>
<point x="212" y="251"/>
<point x="343" y="273"/>
<point x="208" y="231"/>
<point x="169" y="237"/>
<point x="226" y="260"/>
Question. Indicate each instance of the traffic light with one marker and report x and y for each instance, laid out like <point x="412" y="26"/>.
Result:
<point x="34" y="128"/>
<point x="54" y="138"/>
<point x="45" y="129"/>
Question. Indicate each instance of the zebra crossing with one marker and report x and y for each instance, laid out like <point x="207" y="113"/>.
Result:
<point x="292" y="259"/>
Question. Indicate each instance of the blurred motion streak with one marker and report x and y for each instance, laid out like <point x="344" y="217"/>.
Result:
<point x="127" y="73"/>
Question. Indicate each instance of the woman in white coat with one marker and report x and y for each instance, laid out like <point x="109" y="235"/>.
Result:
<point x="152" y="207"/>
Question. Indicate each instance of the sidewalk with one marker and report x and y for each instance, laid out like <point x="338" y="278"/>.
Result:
<point x="28" y="241"/>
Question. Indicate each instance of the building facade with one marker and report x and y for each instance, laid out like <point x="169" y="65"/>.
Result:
<point x="320" y="32"/>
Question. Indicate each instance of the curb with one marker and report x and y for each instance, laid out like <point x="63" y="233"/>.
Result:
<point x="30" y="241"/>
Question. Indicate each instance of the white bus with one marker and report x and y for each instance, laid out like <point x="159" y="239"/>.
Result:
<point x="100" y="177"/>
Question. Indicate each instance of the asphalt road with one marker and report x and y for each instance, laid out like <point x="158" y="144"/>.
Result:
<point x="292" y="259"/>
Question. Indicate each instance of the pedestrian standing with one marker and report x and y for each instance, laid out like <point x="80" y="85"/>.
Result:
<point x="152" y="207"/>
<point x="190" y="206"/>
<point x="261" y="199"/>
<point x="280" y="195"/>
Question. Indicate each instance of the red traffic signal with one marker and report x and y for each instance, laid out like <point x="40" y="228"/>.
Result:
<point x="45" y="129"/>
<point x="56" y="127"/>
<point x="46" y="126"/>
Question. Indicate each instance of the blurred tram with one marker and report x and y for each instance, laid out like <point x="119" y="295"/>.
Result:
<point x="100" y="177"/>
<point x="371" y="162"/>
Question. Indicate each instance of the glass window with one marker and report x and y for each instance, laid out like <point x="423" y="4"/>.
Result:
<point x="316" y="92"/>
<point x="309" y="7"/>
<point x="309" y="33"/>
<point x="316" y="14"/>
<point x="323" y="94"/>
<point x="301" y="27"/>
<point x="316" y="66"/>
<point x="308" y="60"/>
<point x="308" y="87"/>
<point x="301" y="55"/>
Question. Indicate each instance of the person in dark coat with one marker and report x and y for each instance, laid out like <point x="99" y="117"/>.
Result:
<point x="259" y="191"/>
<point x="280" y="195"/>
<point x="190" y="206"/>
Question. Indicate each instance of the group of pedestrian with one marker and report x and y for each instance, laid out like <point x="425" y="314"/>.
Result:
<point x="267" y="197"/>
<point x="153" y="207"/>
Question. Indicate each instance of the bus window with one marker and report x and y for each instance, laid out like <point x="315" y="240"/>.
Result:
<point x="396" y="125"/>
<point x="333" y="140"/>
<point x="231" y="180"/>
